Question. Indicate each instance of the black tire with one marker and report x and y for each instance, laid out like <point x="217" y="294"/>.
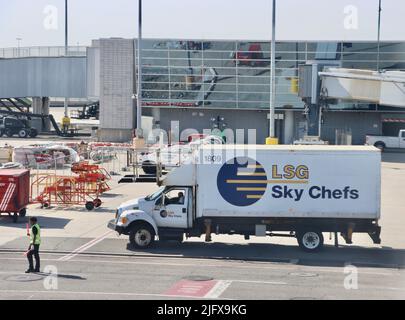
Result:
<point x="9" y="133"/>
<point x="97" y="203"/>
<point x="380" y="145"/>
<point x="1" y="132"/>
<point x="142" y="236"/>
<point x="23" y="133"/>
<point x="310" y="240"/>
<point x="90" y="205"/>
<point x="149" y="168"/>
<point x="23" y="212"/>
<point x="33" y="133"/>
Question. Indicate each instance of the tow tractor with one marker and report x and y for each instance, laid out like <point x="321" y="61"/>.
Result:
<point x="10" y="126"/>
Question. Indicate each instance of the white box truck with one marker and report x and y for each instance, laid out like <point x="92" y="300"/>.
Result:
<point x="294" y="191"/>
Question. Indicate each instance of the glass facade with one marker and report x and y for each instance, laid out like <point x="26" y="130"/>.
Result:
<point x="234" y="74"/>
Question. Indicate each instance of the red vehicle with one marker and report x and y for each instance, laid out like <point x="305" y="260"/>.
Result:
<point x="252" y="57"/>
<point x="14" y="192"/>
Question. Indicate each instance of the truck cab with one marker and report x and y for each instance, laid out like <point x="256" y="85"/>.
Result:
<point x="167" y="213"/>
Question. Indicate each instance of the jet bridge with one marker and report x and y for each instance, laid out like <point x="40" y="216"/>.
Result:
<point x="321" y="84"/>
<point x="384" y="88"/>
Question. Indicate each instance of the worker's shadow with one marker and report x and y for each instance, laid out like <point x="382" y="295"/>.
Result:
<point x="60" y="276"/>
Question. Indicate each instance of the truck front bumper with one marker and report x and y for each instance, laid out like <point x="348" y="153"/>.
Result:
<point x="113" y="226"/>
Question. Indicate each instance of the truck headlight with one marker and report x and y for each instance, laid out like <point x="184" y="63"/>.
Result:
<point x="124" y="220"/>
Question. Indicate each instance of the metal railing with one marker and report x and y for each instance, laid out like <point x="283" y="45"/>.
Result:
<point x="26" y="52"/>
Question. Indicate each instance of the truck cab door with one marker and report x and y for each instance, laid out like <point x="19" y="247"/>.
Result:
<point x="171" y="211"/>
<point x="402" y="139"/>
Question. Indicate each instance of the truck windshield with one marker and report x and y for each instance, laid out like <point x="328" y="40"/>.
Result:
<point x="155" y="195"/>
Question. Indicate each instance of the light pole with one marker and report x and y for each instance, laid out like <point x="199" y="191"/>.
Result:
<point x="272" y="138"/>
<point x="379" y="36"/>
<point x="66" y="50"/>
<point x="18" y="46"/>
<point x="139" y="132"/>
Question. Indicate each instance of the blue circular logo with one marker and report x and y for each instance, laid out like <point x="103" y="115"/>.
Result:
<point x="242" y="181"/>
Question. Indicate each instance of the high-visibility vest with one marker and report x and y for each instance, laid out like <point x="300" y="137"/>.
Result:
<point x="38" y="237"/>
<point x="66" y="121"/>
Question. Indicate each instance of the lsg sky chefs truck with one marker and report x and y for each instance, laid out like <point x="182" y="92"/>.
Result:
<point x="293" y="191"/>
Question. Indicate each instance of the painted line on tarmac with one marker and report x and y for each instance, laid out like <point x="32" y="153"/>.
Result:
<point x="129" y="294"/>
<point x="84" y="247"/>
<point x="196" y="289"/>
<point x="262" y="282"/>
<point x="217" y="291"/>
<point x="212" y="289"/>
<point x="233" y="264"/>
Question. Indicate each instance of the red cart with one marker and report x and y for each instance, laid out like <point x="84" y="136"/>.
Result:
<point x="14" y="192"/>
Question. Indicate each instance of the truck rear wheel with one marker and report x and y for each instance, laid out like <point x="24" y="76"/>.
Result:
<point x="141" y="236"/>
<point x="380" y="145"/>
<point x="310" y="240"/>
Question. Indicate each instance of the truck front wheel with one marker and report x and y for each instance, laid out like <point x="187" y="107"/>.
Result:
<point x="310" y="241"/>
<point x="141" y="236"/>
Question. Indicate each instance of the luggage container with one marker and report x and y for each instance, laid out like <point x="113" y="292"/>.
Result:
<point x="14" y="192"/>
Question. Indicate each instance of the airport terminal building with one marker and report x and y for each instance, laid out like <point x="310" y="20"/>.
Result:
<point x="207" y="84"/>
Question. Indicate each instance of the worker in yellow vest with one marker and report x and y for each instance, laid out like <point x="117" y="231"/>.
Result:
<point x="35" y="242"/>
<point x="65" y="124"/>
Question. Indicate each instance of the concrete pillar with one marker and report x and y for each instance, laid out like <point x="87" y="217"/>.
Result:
<point x="40" y="106"/>
<point x="45" y="111"/>
<point x="117" y="82"/>
<point x="288" y="127"/>
<point x="37" y="109"/>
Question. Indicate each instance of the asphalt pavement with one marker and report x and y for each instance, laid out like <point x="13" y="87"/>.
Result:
<point x="92" y="262"/>
<point x="88" y="277"/>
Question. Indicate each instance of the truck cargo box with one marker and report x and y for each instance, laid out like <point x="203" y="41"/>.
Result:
<point x="285" y="181"/>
